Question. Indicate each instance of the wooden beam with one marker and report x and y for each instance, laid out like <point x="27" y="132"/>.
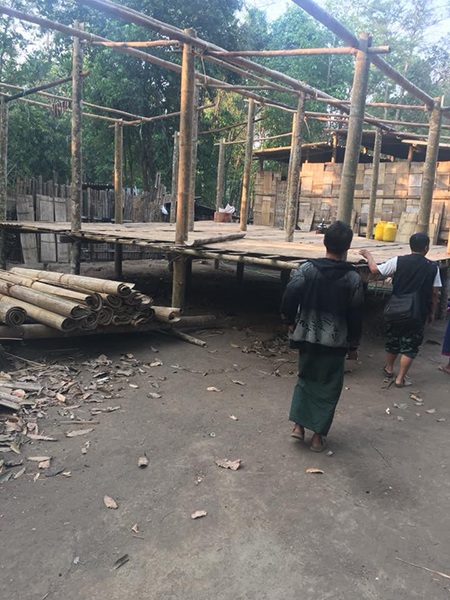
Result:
<point x="374" y="182"/>
<point x="220" y="176"/>
<point x="294" y="171"/>
<point x="245" y="197"/>
<point x="76" y="193"/>
<point x="3" y="176"/>
<point x="90" y="37"/>
<point x="194" y="159"/>
<point x="236" y="64"/>
<point x="429" y="169"/>
<point x="147" y="44"/>
<point x="143" y="120"/>
<point x="302" y="51"/>
<point x="422" y="107"/>
<point x="44" y="86"/>
<point x="187" y="108"/>
<point x="355" y="127"/>
<point x="118" y="194"/>
<point x="345" y="34"/>
<point x="175" y="162"/>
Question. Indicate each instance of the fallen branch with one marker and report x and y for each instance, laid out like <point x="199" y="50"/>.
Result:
<point x="423" y="568"/>
<point x="185" y="337"/>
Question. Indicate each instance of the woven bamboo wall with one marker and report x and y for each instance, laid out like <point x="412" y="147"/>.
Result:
<point x="37" y="200"/>
<point x="398" y="191"/>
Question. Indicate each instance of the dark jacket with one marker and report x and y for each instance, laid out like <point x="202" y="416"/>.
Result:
<point x="325" y="299"/>
<point x="415" y="273"/>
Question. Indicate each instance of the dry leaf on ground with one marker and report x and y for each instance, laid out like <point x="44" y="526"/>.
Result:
<point x="38" y="458"/>
<point x="85" y="448"/>
<point x="60" y="397"/>
<point x="45" y="464"/>
<point x="135" y="528"/>
<point x="213" y="389"/>
<point x="237" y="382"/>
<point x="314" y="471"/>
<point x="18" y="393"/>
<point x="121" y="561"/>
<point x="229" y="464"/>
<point x="154" y="395"/>
<point x="198" y="514"/>
<point x="133" y="385"/>
<point x="234" y="418"/>
<point x="41" y="438"/>
<point x="156" y="363"/>
<point x="431" y="411"/>
<point x="77" y="432"/>
<point x="19" y="473"/>
<point x="143" y="461"/>
<point x="110" y="502"/>
<point x="416" y="398"/>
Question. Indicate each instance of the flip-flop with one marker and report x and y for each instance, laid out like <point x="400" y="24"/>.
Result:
<point x="298" y="435"/>
<point x="387" y="374"/>
<point x="323" y="443"/>
<point x="403" y="384"/>
<point x="444" y="370"/>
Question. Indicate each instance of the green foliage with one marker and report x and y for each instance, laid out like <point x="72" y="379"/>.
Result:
<point x="39" y="142"/>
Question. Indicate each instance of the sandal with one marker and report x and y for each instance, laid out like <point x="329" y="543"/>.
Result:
<point x="387" y="374"/>
<point x="403" y="384"/>
<point x="298" y="435"/>
<point x="445" y="370"/>
<point x="321" y="448"/>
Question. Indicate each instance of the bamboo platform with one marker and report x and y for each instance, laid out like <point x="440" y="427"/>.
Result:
<point x="264" y="246"/>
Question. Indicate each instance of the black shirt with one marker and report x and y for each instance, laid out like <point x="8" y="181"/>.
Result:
<point x="415" y="273"/>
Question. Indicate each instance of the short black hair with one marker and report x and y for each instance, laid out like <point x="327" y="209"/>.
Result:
<point x="338" y="237"/>
<point x="419" y="242"/>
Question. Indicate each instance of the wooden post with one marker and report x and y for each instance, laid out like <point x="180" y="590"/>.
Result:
<point x="374" y="182"/>
<point x="220" y="175"/>
<point x="355" y="127"/>
<point x="76" y="184"/>
<point x="118" y="193"/>
<point x="175" y="161"/>
<point x="3" y="176"/>
<point x="184" y="168"/>
<point x="247" y="166"/>
<point x="334" y="147"/>
<point x="294" y="171"/>
<point x="410" y="155"/>
<point x="194" y="160"/>
<point x="429" y="170"/>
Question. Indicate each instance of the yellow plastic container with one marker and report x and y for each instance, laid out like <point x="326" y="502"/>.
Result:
<point x="390" y="232"/>
<point x="379" y="230"/>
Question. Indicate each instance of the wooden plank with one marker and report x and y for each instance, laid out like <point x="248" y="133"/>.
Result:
<point x="46" y="212"/>
<point x="308" y="220"/>
<point x="25" y="212"/>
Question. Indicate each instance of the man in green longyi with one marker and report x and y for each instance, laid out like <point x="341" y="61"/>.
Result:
<point x="323" y="305"/>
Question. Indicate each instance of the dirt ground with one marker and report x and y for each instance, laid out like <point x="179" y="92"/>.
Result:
<point x="272" y="531"/>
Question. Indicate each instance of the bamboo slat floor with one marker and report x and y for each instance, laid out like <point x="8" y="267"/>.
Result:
<point x="261" y="245"/>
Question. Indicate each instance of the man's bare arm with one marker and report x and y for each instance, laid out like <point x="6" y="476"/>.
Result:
<point x="434" y="303"/>
<point x="371" y="262"/>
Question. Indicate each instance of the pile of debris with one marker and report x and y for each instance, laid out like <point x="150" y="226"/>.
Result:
<point x="72" y="303"/>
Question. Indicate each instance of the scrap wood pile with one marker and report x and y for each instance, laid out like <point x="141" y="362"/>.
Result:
<point x="74" y="303"/>
<point x="51" y="401"/>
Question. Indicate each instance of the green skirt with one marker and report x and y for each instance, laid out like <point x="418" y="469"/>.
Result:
<point x="317" y="391"/>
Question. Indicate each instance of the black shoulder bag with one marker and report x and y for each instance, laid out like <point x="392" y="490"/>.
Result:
<point x="405" y="307"/>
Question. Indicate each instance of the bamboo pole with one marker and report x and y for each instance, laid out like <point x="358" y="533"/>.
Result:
<point x="138" y="18"/>
<point x="302" y="51"/>
<point x="220" y="176"/>
<point x="228" y="127"/>
<point x="185" y="167"/>
<point x="341" y="31"/>
<point x="374" y="182"/>
<point x="118" y="193"/>
<point x="194" y="159"/>
<point x="76" y="193"/>
<point x="175" y="161"/>
<point x="143" y="120"/>
<point x="422" y="107"/>
<point x="167" y="314"/>
<point x="344" y="118"/>
<point x="51" y="319"/>
<point x="3" y="177"/>
<point x="429" y="170"/>
<point x="146" y="44"/>
<point x="355" y="127"/>
<point x="217" y="239"/>
<point x="294" y="171"/>
<point x="44" y="86"/>
<point x="94" y="284"/>
<point x="245" y="197"/>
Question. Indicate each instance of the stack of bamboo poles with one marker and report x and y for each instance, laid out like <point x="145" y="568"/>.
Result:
<point x="70" y="303"/>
